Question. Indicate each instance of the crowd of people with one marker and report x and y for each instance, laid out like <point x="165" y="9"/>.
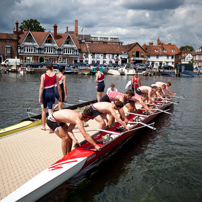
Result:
<point x="103" y="111"/>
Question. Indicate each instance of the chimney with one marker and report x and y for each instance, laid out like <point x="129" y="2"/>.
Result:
<point x="158" y="41"/>
<point x="66" y="29"/>
<point x="76" y="28"/>
<point x="16" y="26"/>
<point x="151" y="43"/>
<point x="55" y="31"/>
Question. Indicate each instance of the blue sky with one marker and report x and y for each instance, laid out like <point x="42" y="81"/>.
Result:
<point x="173" y="21"/>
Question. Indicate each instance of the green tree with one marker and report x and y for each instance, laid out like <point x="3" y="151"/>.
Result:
<point x="182" y="48"/>
<point x="32" y="24"/>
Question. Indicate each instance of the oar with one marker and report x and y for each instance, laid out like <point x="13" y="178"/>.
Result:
<point x="139" y="114"/>
<point x="107" y="131"/>
<point x="169" y="102"/>
<point x="144" y="124"/>
<point x="162" y="111"/>
<point x="88" y="130"/>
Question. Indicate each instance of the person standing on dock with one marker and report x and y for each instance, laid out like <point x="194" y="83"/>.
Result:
<point x="135" y="82"/>
<point x="100" y="84"/>
<point x="57" y="122"/>
<point x="47" y="92"/>
<point x="63" y="87"/>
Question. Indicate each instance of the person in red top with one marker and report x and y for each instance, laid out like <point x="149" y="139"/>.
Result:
<point x="47" y="92"/>
<point x="100" y="84"/>
<point x="135" y="82"/>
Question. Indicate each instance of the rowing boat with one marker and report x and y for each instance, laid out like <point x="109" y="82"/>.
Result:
<point x="35" y="120"/>
<point x="83" y="157"/>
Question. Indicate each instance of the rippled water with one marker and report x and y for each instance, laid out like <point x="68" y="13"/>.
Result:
<point x="162" y="165"/>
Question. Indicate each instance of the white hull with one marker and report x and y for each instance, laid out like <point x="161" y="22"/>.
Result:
<point x="46" y="181"/>
<point x="113" y="72"/>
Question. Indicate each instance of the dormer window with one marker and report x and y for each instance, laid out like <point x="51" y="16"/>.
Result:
<point x="173" y="51"/>
<point x="165" y="51"/>
<point x="49" y="39"/>
<point x="156" y="50"/>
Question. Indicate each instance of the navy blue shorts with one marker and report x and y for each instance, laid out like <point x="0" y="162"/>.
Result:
<point x="138" y="91"/>
<point x="95" y="112"/>
<point x="48" y="98"/>
<point x="57" y="95"/>
<point x="105" y="98"/>
<point x="53" y="124"/>
<point x="101" y="87"/>
<point x="127" y="101"/>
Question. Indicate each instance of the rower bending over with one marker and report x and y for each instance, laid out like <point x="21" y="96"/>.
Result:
<point x="130" y="105"/>
<point x="57" y="122"/>
<point x="117" y="96"/>
<point x="158" y="92"/>
<point x="149" y="91"/>
<point x="164" y="86"/>
<point x="101" y="109"/>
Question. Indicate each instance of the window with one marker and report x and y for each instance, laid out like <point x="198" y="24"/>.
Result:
<point x="7" y="49"/>
<point x="165" y="51"/>
<point x="133" y="54"/>
<point x="49" y="50"/>
<point x="68" y="51"/>
<point x="157" y="57"/>
<point x="49" y="39"/>
<point x="29" y="38"/>
<point x="7" y="42"/>
<point x="167" y="57"/>
<point x="29" y="49"/>
<point x="156" y="50"/>
<point x="68" y="41"/>
<point x="142" y="55"/>
<point x="173" y="51"/>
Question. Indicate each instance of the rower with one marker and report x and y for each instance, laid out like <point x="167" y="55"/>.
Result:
<point x="158" y="92"/>
<point x="137" y="98"/>
<point x="101" y="109"/>
<point x="57" y="122"/>
<point x="117" y="96"/>
<point x="164" y="86"/>
<point x="149" y="90"/>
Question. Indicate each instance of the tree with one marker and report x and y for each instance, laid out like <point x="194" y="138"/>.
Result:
<point x="32" y="24"/>
<point x="182" y="48"/>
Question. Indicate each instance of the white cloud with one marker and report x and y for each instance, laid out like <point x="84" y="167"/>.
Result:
<point x="178" y="22"/>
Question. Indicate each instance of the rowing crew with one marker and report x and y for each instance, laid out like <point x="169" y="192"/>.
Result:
<point x="57" y="120"/>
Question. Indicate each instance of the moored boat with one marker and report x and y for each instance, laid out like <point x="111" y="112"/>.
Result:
<point x="82" y="157"/>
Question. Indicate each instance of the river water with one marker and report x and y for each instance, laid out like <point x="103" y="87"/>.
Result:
<point x="162" y="165"/>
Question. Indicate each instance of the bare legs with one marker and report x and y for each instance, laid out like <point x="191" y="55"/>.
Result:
<point x="99" y="96"/>
<point x="66" y="140"/>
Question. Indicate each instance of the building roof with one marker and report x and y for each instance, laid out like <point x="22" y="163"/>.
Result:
<point x="161" y="49"/>
<point x="8" y="36"/>
<point x="41" y="36"/>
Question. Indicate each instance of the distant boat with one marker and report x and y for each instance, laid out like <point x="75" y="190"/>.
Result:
<point x="145" y="73"/>
<point x="188" y="73"/>
<point x="83" y="69"/>
<point x="128" y="69"/>
<point x="167" y="74"/>
<point x="69" y="70"/>
<point x="113" y="71"/>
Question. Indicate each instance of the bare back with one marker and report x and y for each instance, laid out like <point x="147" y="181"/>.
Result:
<point x="67" y="116"/>
<point x="104" y="107"/>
